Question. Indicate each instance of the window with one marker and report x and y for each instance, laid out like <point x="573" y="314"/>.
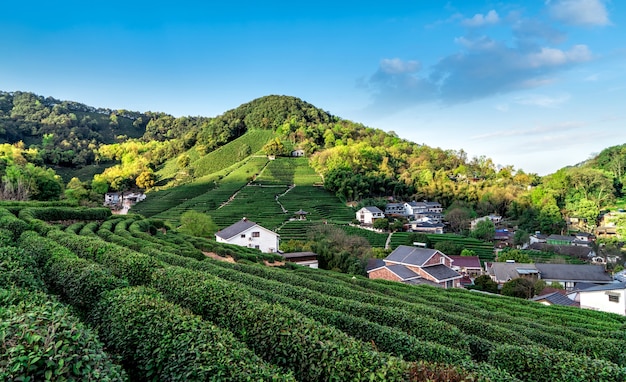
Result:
<point x="256" y="234"/>
<point x="257" y="247"/>
<point x="243" y="235"/>
<point x="613" y="298"/>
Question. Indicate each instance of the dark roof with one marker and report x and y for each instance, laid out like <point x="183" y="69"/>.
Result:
<point x="300" y="212"/>
<point x="295" y="255"/>
<point x="574" y="272"/>
<point x="560" y="237"/>
<point x="374" y="209"/>
<point x="374" y="264"/>
<point x="402" y="272"/>
<point x="465" y="261"/>
<point x="611" y="286"/>
<point x="235" y="229"/>
<point x="441" y="272"/>
<point x="428" y="225"/>
<point x="583" y="286"/>
<point x="555" y="298"/>
<point x="405" y="254"/>
<point x="571" y="250"/>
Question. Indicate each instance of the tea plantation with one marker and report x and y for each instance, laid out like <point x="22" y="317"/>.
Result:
<point x="89" y="296"/>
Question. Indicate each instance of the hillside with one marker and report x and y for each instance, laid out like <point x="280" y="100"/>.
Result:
<point x="160" y="307"/>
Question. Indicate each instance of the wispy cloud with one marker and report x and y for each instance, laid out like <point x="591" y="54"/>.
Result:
<point x="540" y="132"/>
<point x="480" y="20"/>
<point x="542" y="100"/>
<point x="579" y="12"/>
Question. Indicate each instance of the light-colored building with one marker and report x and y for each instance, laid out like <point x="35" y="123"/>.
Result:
<point x="495" y="219"/>
<point x="368" y="215"/>
<point x="306" y="259"/>
<point x="246" y="233"/>
<point x="606" y="298"/>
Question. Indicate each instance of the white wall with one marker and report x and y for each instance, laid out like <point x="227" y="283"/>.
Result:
<point x="599" y="300"/>
<point x="267" y="240"/>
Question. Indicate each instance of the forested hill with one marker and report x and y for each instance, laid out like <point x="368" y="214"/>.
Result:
<point x="357" y="163"/>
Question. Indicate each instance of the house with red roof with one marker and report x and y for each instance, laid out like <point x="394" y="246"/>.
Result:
<point x="416" y="265"/>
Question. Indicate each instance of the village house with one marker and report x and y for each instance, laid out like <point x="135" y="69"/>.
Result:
<point x="367" y="215"/>
<point x="607" y="298"/>
<point x="467" y="265"/>
<point x="121" y="202"/>
<point x="495" y="219"/>
<point x="246" y="233"/>
<point x="426" y="226"/>
<point x="568" y="275"/>
<point x="307" y="259"/>
<point x="415" y="265"/>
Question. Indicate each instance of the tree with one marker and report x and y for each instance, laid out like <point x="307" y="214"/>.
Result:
<point x="274" y="147"/>
<point x="514" y="254"/>
<point x="197" y="224"/>
<point x="540" y="285"/>
<point x="485" y="283"/>
<point x="519" y="287"/>
<point x="467" y="252"/>
<point x="381" y="224"/>
<point x="418" y="237"/>
<point x="145" y="180"/>
<point x="449" y="247"/>
<point x="484" y="230"/>
<point x="521" y="236"/>
<point x="459" y="219"/>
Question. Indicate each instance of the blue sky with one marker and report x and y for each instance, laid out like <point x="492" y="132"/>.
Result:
<point x="534" y="84"/>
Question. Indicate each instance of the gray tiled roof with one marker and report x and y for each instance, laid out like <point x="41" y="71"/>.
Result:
<point x="561" y="237"/>
<point x="611" y="286"/>
<point x="235" y="229"/>
<point x="403" y="272"/>
<point x="509" y="271"/>
<point x="374" y="264"/>
<point x="374" y="210"/>
<point x="405" y="254"/>
<point x="441" y="272"/>
<point x="555" y="298"/>
<point x="574" y="272"/>
<point x="295" y="255"/>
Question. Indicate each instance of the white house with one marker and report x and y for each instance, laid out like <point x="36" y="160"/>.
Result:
<point x="367" y="215"/>
<point x="249" y="234"/>
<point x="607" y="298"/>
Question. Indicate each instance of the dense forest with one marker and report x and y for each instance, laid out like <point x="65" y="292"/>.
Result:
<point x="43" y="135"/>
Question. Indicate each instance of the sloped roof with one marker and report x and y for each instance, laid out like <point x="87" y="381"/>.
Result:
<point x="560" y="237"/>
<point x="296" y="255"/>
<point x="441" y="272"/>
<point x="509" y="271"/>
<point x="465" y="261"/>
<point x="402" y="272"/>
<point x="374" y="264"/>
<point x="574" y="272"/>
<point x="611" y="286"/>
<point x="405" y="254"/>
<point x="374" y="209"/>
<point x="237" y="228"/>
<point x="555" y="298"/>
<point x="571" y="250"/>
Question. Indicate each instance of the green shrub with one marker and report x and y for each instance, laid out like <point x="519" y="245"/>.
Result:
<point x="42" y="340"/>
<point x="18" y="269"/>
<point x="160" y="341"/>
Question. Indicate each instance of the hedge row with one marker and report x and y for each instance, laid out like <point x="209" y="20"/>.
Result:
<point x="80" y="282"/>
<point x="64" y="213"/>
<point x="423" y="328"/>
<point x="19" y="270"/>
<point x="160" y="341"/>
<point x="534" y="363"/>
<point x="314" y="352"/>
<point x="42" y="340"/>
<point x="122" y="262"/>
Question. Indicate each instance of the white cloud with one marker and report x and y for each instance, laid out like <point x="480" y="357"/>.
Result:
<point x="557" y="57"/>
<point x="398" y="66"/>
<point x="479" y="19"/>
<point x="481" y="43"/>
<point x="542" y="100"/>
<point x="579" y="12"/>
<point x="538" y="132"/>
